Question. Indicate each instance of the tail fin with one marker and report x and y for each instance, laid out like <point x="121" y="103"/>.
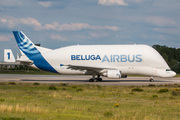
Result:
<point x="34" y="53"/>
<point x="25" y="44"/>
<point x="8" y="56"/>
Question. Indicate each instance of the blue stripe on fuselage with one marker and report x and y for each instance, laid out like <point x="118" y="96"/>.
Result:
<point x="41" y="63"/>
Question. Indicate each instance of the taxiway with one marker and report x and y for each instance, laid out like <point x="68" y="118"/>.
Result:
<point x="75" y="79"/>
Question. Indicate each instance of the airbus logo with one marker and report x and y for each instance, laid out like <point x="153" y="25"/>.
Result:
<point x="110" y="58"/>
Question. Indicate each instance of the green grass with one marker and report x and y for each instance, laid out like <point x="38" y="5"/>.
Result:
<point x="26" y="101"/>
<point x="178" y="75"/>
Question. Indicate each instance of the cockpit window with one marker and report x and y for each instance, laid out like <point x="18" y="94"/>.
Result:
<point x="168" y="70"/>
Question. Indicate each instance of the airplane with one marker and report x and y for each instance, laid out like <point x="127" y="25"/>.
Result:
<point x="111" y="61"/>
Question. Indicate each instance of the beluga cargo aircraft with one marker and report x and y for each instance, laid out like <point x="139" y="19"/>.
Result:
<point x="112" y="61"/>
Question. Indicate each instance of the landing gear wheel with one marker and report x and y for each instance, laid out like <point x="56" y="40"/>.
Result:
<point x="91" y="80"/>
<point x="151" y="80"/>
<point x="96" y="80"/>
<point x="100" y="79"/>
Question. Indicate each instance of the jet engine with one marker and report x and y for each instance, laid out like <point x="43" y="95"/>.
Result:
<point x="114" y="74"/>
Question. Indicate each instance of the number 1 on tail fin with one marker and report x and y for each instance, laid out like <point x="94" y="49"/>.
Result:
<point x="8" y="56"/>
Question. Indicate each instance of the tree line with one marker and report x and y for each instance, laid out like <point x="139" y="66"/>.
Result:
<point x="171" y="56"/>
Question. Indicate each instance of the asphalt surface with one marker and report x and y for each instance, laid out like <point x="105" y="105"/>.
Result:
<point x="74" y="79"/>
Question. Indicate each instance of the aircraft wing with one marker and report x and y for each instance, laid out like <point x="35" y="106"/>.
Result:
<point x="88" y="68"/>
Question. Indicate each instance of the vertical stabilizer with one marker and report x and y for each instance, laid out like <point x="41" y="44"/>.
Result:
<point x="25" y="44"/>
<point x="17" y="56"/>
<point x="8" y="56"/>
<point x="32" y="52"/>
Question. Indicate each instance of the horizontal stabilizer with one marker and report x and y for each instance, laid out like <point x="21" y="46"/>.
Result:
<point x="25" y="62"/>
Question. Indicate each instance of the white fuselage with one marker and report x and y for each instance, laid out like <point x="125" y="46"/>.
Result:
<point x="129" y="59"/>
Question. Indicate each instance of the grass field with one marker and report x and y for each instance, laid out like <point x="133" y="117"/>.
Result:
<point x="26" y="101"/>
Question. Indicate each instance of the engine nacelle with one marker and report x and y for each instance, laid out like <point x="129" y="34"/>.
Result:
<point x="114" y="74"/>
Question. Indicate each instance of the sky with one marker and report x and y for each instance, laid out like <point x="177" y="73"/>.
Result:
<point x="60" y="23"/>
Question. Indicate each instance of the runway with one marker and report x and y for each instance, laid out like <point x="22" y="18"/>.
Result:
<point x="75" y="79"/>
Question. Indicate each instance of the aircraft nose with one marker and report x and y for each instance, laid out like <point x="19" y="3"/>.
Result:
<point x="174" y="73"/>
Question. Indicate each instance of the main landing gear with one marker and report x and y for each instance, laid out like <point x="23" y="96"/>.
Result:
<point x="93" y="79"/>
<point x="151" y="79"/>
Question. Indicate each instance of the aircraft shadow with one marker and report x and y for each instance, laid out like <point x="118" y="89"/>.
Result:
<point x="147" y="81"/>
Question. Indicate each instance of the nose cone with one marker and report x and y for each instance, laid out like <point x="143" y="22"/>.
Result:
<point x="173" y="73"/>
